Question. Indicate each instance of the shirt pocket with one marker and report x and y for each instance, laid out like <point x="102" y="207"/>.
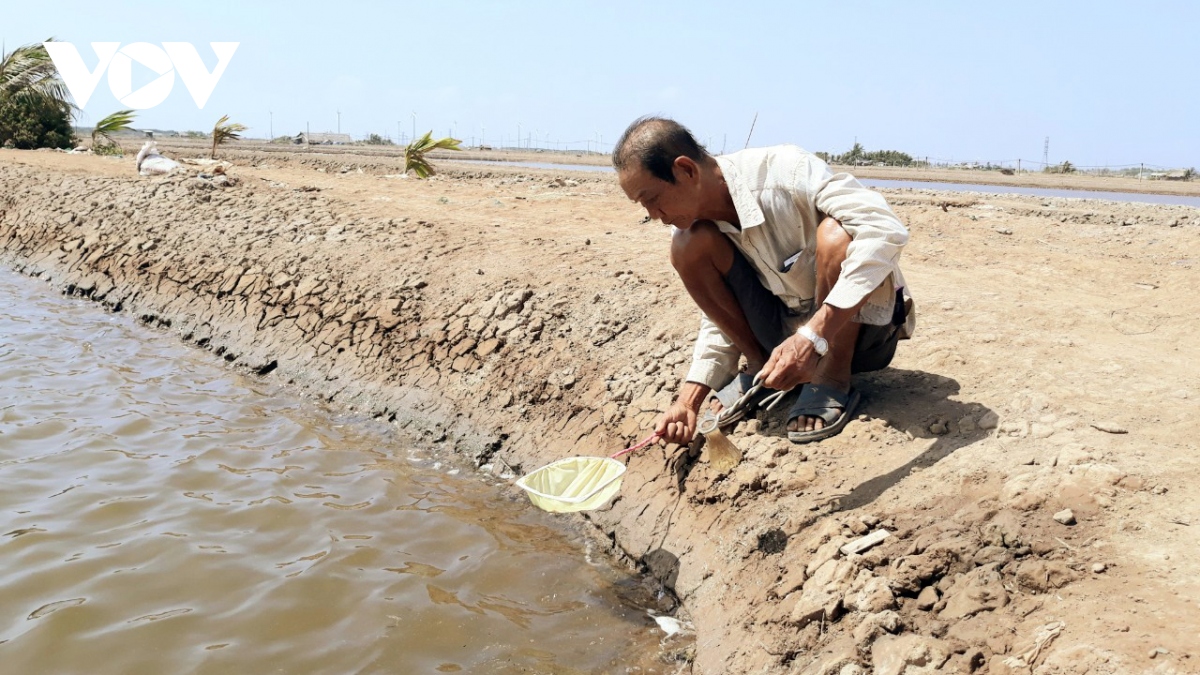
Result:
<point x="800" y="277"/>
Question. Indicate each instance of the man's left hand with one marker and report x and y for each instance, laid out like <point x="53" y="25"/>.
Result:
<point x="793" y="362"/>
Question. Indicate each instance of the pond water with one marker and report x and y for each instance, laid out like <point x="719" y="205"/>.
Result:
<point x="920" y="185"/>
<point x="1141" y="197"/>
<point x="162" y="514"/>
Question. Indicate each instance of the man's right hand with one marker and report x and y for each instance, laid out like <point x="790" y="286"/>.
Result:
<point x="678" y="423"/>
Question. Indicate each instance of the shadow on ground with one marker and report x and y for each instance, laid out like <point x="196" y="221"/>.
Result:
<point x="911" y="401"/>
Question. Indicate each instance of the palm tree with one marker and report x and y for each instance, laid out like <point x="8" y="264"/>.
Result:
<point x="118" y="121"/>
<point x="28" y="74"/>
<point x="225" y="130"/>
<point x="30" y="82"/>
<point x="414" y="153"/>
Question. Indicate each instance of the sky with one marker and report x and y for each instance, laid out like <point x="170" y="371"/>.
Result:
<point x="1109" y="83"/>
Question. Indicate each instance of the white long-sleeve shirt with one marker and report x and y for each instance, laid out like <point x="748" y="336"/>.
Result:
<point x="781" y="193"/>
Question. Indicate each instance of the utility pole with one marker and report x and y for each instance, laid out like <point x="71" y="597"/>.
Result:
<point x="1018" y="167"/>
<point x="271" y="133"/>
<point x="414" y="125"/>
<point x="339" y="121"/>
<point x="398" y="134"/>
<point x="518" y="135"/>
<point x="307" y="134"/>
<point x="1046" y="153"/>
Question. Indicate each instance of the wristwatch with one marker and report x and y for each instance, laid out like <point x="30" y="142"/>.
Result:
<point x="819" y="343"/>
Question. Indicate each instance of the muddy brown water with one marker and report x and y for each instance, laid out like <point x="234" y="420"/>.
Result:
<point x="160" y="513"/>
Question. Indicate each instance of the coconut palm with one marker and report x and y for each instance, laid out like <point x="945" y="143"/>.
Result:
<point x="225" y="130"/>
<point x="27" y="73"/>
<point x="34" y="97"/>
<point x="118" y="121"/>
<point x="414" y="153"/>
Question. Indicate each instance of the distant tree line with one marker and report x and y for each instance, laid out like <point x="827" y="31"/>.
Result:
<point x="858" y="156"/>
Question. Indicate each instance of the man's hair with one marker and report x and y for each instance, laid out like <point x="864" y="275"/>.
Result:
<point x="654" y="143"/>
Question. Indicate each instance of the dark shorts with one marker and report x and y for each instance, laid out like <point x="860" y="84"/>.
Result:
<point x="768" y="316"/>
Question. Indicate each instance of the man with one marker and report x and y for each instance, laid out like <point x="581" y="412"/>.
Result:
<point x="793" y="267"/>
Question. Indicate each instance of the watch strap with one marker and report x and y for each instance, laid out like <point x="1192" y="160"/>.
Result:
<point x="819" y="343"/>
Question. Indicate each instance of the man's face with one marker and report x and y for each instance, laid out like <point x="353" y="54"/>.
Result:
<point x="673" y="203"/>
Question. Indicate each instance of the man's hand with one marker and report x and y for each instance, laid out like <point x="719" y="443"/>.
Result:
<point x="677" y="425"/>
<point x="793" y="362"/>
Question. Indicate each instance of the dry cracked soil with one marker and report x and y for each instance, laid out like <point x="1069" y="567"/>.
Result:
<point x="1028" y="452"/>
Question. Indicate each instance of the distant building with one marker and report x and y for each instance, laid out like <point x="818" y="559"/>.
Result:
<point x="323" y="139"/>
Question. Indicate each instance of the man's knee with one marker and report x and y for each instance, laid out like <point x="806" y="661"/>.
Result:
<point x="700" y="246"/>
<point x="833" y="241"/>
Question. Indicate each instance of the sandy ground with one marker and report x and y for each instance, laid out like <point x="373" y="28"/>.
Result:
<point x="532" y="315"/>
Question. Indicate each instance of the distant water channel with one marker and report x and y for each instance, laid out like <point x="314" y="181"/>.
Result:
<point x="1145" y="198"/>
<point x="162" y="514"/>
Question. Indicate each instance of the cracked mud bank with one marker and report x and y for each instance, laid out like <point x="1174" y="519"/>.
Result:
<point x="519" y="317"/>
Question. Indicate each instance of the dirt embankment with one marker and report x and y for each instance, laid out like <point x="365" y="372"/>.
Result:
<point x="522" y="317"/>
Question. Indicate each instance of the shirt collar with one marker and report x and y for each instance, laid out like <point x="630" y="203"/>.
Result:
<point x="749" y="213"/>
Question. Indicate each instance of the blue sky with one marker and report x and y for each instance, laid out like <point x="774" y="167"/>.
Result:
<point x="1109" y="82"/>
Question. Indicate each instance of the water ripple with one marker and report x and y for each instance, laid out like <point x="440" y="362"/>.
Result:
<point x="176" y="517"/>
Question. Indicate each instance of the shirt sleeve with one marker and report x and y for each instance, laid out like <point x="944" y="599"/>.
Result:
<point x="877" y="233"/>
<point x="715" y="358"/>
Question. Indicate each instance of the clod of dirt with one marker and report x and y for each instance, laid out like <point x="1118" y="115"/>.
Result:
<point x="772" y="541"/>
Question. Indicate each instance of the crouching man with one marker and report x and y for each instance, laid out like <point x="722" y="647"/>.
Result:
<point x="793" y="266"/>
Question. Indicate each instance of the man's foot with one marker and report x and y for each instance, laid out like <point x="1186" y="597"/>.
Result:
<point x="815" y="422"/>
<point x="820" y="411"/>
<point x="733" y="391"/>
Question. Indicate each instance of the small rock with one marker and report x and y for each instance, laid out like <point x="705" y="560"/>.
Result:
<point x="1044" y="575"/>
<point x="1109" y="428"/>
<point x="938" y="429"/>
<point x="1003" y="230"/>
<point x="1039" y="430"/>
<point x="980" y="590"/>
<point x="872" y="597"/>
<point x="927" y="598"/>
<point x="875" y="625"/>
<point x="989" y="420"/>
<point x="1154" y="653"/>
<point x="1099" y="568"/>
<point x="1066" y="517"/>
<point x="822" y="594"/>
